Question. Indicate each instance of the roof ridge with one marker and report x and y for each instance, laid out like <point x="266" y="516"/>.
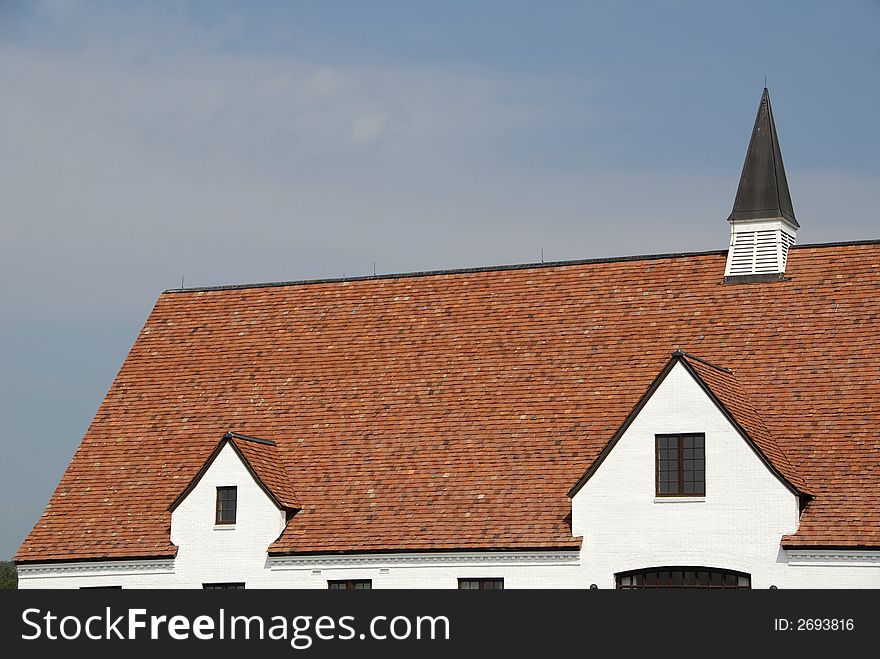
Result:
<point x="493" y="268"/>
<point x="248" y="438"/>
<point x="682" y="353"/>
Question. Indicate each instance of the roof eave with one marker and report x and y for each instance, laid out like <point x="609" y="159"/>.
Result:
<point x="574" y="546"/>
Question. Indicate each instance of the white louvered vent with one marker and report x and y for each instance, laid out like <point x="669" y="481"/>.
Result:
<point x="760" y="250"/>
<point x="787" y="242"/>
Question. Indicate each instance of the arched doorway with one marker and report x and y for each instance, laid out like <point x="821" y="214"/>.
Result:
<point x="683" y="577"/>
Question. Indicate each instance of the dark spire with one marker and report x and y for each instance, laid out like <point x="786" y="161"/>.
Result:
<point x="763" y="188"/>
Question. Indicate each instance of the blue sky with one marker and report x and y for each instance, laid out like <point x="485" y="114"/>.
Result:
<point x="262" y="141"/>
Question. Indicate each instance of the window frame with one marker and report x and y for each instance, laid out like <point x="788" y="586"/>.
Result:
<point x="680" y="437"/>
<point x="217" y="520"/>
<point x="349" y="584"/>
<point x="482" y="581"/>
<point x="657" y="572"/>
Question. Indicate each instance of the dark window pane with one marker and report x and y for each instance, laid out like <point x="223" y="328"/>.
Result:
<point x="226" y="505"/>
<point x="680" y="465"/>
<point x="682" y="577"/>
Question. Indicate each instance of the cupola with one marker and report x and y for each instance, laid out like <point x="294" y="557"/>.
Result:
<point x="762" y="224"/>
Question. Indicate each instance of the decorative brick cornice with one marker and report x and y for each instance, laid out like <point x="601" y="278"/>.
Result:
<point x="833" y="557"/>
<point x="85" y="568"/>
<point x="438" y="559"/>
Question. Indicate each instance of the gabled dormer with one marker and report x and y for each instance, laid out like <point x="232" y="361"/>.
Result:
<point x="699" y="380"/>
<point x="762" y="225"/>
<point x="692" y="477"/>
<point x="236" y="505"/>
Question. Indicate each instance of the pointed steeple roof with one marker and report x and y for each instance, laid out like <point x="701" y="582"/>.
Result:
<point x="763" y="188"/>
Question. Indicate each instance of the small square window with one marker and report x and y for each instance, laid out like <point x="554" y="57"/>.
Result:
<point x="227" y="503"/>
<point x="680" y="465"/>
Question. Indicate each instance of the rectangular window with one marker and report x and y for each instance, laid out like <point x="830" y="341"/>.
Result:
<point x="681" y="465"/>
<point x="223" y="586"/>
<point x="351" y="584"/>
<point x="481" y="584"/>
<point x="226" y="505"/>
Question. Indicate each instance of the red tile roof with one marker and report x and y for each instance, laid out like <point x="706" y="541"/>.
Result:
<point x="270" y="467"/>
<point x="455" y="411"/>
<point x="727" y="391"/>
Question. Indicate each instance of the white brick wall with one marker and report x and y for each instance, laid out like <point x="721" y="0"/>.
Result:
<point x="737" y="525"/>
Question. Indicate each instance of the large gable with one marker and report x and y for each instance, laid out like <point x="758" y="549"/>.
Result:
<point x="456" y="410"/>
<point x="723" y="389"/>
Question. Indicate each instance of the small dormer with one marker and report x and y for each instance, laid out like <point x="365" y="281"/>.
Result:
<point x="230" y="511"/>
<point x="762" y="225"/>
